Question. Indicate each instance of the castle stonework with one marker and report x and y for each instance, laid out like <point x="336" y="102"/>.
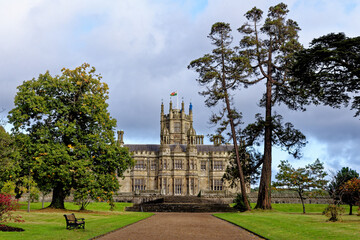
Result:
<point x="181" y="165"/>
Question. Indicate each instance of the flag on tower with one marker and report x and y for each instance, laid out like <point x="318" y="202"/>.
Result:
<point x="173" y="94"/>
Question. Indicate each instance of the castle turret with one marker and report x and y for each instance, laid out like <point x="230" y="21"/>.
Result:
<point x="190" y="112"/>
<point x="121" y="138"/>
<point x="162" y="109"/>
<point x="191" y="134"/>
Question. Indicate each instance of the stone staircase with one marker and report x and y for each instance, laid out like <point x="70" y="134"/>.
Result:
<point x="181" y="204"/>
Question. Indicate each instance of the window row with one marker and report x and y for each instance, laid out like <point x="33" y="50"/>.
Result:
<point x="179" y="164"/>
<point x="141" y="165"/>
<point x="140" y="184"/>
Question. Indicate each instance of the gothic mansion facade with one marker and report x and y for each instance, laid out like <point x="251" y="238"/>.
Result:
<point x="181" y="164"/>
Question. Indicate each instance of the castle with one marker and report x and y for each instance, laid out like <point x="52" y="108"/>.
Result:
<point x="181" y="164"/>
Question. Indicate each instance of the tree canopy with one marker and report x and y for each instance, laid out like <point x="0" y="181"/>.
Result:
<point x="351" y="192"/>
<point x="336" y="187"/>
<point x="66" y="134"/>
<point x="301" y="180"/>
<point x="328" y="71"/>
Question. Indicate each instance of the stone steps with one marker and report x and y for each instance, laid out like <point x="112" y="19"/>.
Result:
<point x="181" y="204"/>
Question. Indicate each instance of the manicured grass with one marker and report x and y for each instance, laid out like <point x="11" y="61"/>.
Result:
<point x="50" y="224"/>
<point x="297" y="208"/>
<point x="287" y="222"/>
<point x="94" y="206"/>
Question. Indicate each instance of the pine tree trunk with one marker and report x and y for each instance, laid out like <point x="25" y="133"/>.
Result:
<point x="264" y="195"/>
<point x="237" y="155"/>
<point x="58" y="197"/>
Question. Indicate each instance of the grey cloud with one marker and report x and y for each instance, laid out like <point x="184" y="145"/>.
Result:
<point x="142" y="50"/>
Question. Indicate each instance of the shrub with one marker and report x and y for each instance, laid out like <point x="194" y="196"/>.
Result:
<point x="7" y="205"/>
<point x="240" y="204"/>
<point x="334" y="212"/>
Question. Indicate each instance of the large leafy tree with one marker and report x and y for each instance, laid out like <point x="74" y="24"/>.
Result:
<point x="301" y="180"/>
<point x="66" y="134"/>
<point x="336" y="187"/>
<point x="269" y="45"/>
<point x="221" y="72"/>
<point x="351" y="189"/>
<point x="328" y="71"/>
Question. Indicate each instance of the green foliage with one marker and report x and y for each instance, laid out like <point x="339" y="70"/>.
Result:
<point x="65" y="132"/>
<point x="8" y="188"/>
<point x="301" y="180"/>
<point x="8" y="156"/>
<point x="336" y="189"/>
<point x="328" y="71"/>
<point x="351" y="193"/>
<point x="284" y="135"/>
<point x="334" y="212"/>
<point x="240" y="203"/>
<point x="250" y="159"/>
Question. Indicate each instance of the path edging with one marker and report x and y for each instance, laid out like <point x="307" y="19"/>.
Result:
<point x="102" y="235"/>
<point x="241" y="227"/>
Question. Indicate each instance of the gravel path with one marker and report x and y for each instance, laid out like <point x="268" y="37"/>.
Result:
<point x="181" y="226"/>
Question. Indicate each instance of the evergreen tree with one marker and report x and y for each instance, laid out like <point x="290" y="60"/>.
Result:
<point x="328" y="71"/>
<point x="220" y="72"/>
<point x="269" y="47"/>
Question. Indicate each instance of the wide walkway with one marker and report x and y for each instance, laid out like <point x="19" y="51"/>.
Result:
<point x="181" y="226"/>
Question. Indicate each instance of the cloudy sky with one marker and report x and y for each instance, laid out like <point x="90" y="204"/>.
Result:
<point x="142" y="49"/>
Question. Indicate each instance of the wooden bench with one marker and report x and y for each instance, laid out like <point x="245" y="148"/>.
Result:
<point x="73" y="222"/>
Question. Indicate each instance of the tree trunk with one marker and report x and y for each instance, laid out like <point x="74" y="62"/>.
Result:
<point x="302" y="202"/>
<point x="43" y="200"/>
<point x="350" y="213"/>
<point x="58" y="197"/>
<point x="29" y="199"/>
<point x="264" y="195"/>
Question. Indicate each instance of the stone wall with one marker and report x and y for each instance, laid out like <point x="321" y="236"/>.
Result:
<point x="224" y="197"/>
<point x="281" y="197"/>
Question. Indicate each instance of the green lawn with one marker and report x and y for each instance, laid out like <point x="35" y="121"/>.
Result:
<point x="50" y="224"/>
<point x="287" y="222"/>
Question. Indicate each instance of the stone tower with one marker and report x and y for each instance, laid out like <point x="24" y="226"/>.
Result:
<point x="174" y="127"/>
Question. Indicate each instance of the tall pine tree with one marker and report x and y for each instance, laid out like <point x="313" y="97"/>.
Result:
<point x="220" y="72"/>
<point x="269" y="46"/>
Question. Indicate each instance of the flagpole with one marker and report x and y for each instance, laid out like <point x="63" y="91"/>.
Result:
<point x="177" y="100"/>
